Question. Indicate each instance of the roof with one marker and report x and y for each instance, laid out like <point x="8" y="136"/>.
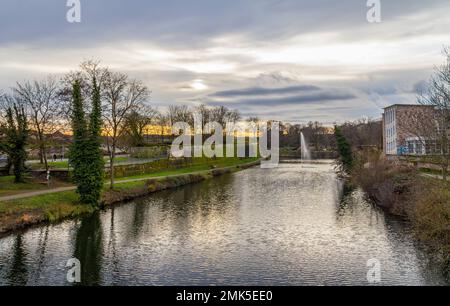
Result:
<point x="409" y="105"/>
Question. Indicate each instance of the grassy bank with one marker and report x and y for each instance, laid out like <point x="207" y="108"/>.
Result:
<point x="8" y="187"/>
<point x="20" y="213"/>
<point x="65" y="164"/>
<point x="404" y="191"/>
<point x="199" y="164"/>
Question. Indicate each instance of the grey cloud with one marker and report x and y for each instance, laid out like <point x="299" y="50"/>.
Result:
<point x="257" y="91"/>
<point x="179" y="22"/>
<point x="328" y="114"/>
<point x="40" y="30"/>
<point x="295" y="100"/>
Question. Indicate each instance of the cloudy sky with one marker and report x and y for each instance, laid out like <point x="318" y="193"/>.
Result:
<point x="291" y="60"/>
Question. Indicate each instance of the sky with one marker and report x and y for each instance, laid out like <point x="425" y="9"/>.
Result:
<point x="295" y="61"/>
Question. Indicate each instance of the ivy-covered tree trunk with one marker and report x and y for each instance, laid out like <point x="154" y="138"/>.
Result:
<point x="16" y="140"/>
<point x="85" y="152"/>
<point x="112" y="157"/>
<point x="78" y="153"/>
<point x="97" y="164"/>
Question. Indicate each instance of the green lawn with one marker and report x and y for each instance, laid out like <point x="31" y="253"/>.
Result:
<point x="220" y="163"/>
<point x="199" y="165"/>
<point x="128" y="185"/>
<point x="52" y="206"/>
<point x="430" y="171"/>
<point x="57" y="165"/>
<point x="64" y="204"/>
<point x="64" y="164"/>
<point x="119" y="159"/>
<point x="8" y="187"/>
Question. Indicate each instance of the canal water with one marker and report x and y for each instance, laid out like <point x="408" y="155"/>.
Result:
<point x="283" y="226"/>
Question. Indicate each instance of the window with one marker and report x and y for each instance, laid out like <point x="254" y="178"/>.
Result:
<point x="410" y="145"/>
<point x="419" y="148"/>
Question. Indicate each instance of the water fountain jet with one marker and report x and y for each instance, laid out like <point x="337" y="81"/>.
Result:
<point x="305" y="153"/>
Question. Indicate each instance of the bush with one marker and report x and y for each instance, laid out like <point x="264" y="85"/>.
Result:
<point x="431" y="217"/>
<point x="344" y="150"/>
<point x="149" y="152"/>
<point x="384" y="182"/>
<point x="401" y="190"/>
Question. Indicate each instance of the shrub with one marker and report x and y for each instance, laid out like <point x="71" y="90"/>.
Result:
<point x="424" y="201"/>
<point x="431" y="217"/>
<point x="345" y="151"/>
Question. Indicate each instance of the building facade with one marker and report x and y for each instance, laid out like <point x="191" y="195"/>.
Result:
<point x="402" y="133"/>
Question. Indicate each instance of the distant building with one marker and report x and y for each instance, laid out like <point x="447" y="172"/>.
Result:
<point x="401" y="135"/>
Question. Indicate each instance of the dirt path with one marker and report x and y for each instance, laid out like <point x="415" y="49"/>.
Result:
<point x="436" y="176"/>
<point x="36" y="193"/>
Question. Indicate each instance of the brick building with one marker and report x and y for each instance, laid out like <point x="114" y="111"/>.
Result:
<point x="402" y="133"/>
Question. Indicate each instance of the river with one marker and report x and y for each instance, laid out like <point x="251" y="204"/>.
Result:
<point x="282" y="226"/>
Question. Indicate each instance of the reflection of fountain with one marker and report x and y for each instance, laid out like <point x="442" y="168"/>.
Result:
<point x="305" y="153"/>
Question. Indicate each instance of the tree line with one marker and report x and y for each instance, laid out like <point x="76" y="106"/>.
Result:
<point x="34" y="110"/>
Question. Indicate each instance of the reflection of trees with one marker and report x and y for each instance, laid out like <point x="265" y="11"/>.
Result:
<point x="207" y="197"/>
<point x="139" y="219"/>
<point x="112" y="245"/>
<point x="18" y="274"/>
<point x="353" y="204"/>
<point x="42" y="246"/>
<point x="195" y="206"/>
<point x="89" y="248"/>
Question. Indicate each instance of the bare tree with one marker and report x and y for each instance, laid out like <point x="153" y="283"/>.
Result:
<point x="40" y="99"/>
<point x="162" y="121"/>
<point x="436" y="127"/>
<point x="120" y="96"/>
<point x="136" y="123"/>
<point x="223" y="115"/>
<point x="363" y="133"/>
<point x="233" y="116"/>
<point x="84" y="75"/>
<point x="205" y="113"/>
<point x="317" y="134"/>
<point x="219" y="114"/>
<point x="179" y="113"/>
<point x="3" y="106"/>
<point x="253" y="119"/>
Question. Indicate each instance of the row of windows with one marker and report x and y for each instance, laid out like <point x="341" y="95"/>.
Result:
<point x="391" y="132"/>
<point x="391" y="142"/>
<point x="390" y="116"/>
<point x="429" y="147"/>
<point x="391" y="146"/>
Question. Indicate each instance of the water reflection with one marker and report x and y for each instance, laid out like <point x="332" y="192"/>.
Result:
<point x="89" y="249"/>
<point x="285" y="226"/>
<point x="18" y="273"/>
<point x="42" y="242"/>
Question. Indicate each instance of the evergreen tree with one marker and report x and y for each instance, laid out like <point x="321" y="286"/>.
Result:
<point x="345" y="151"/>
<point x="85" y="152"/>
<point x="16" y="132"/>
<point x="79" y="149"/>
<point x="97" y="163"/>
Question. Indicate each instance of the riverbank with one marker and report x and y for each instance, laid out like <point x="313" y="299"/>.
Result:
<point x="405" y="191"/>
<point x="52" y="207"/>
<point x="281" y="226"/>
